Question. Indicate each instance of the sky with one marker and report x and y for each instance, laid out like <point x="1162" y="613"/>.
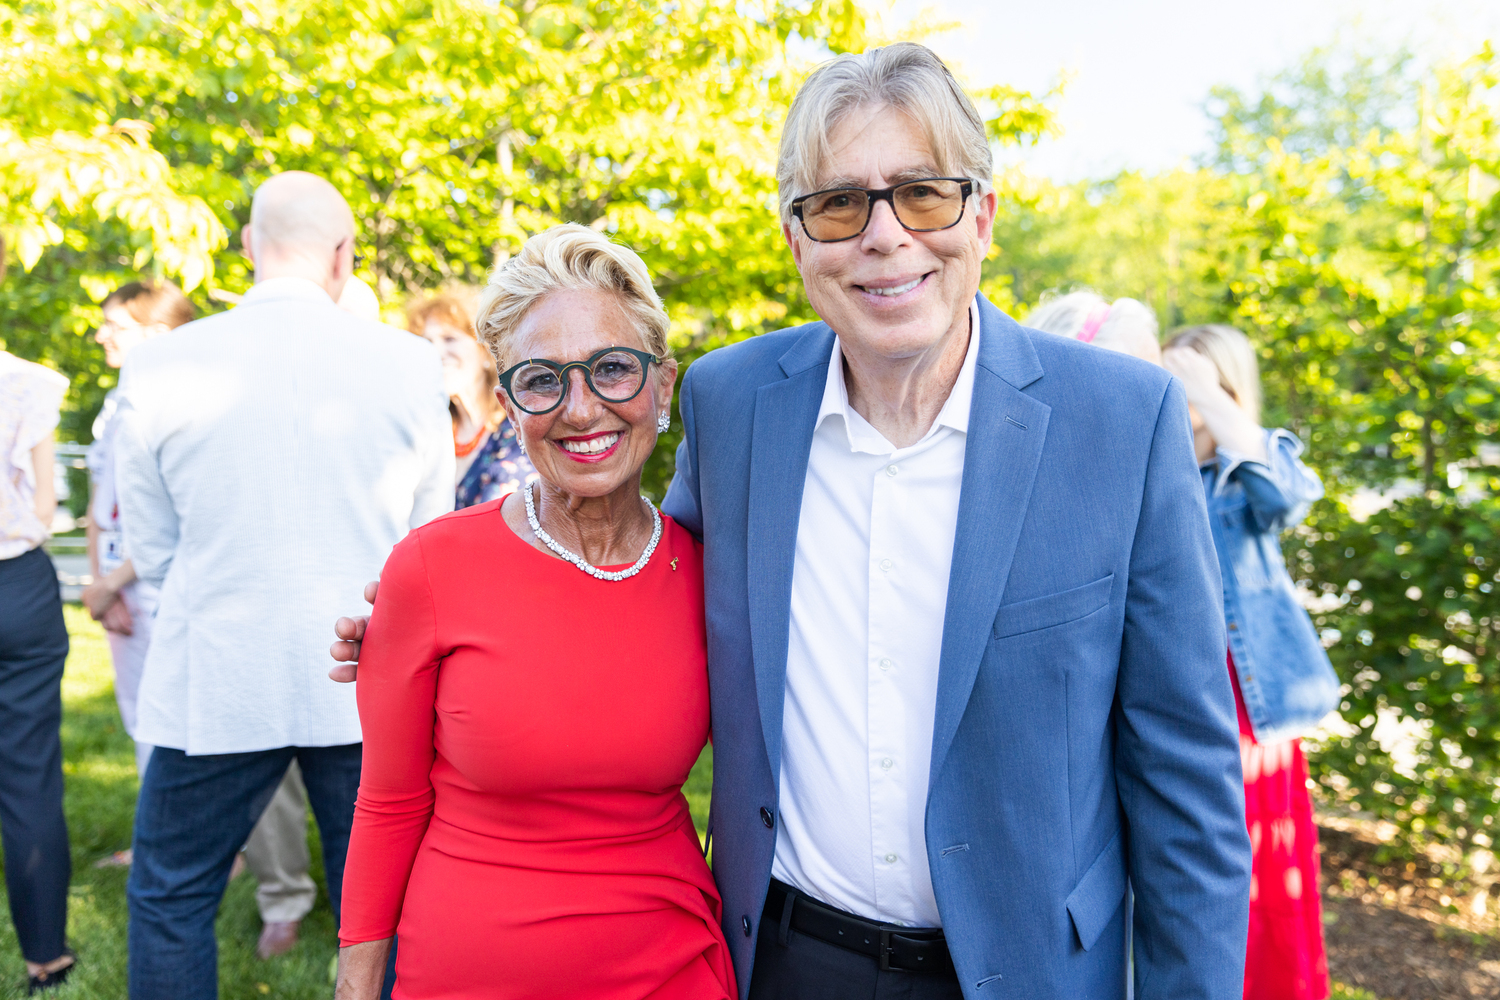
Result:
<point x="1139" y="71"/>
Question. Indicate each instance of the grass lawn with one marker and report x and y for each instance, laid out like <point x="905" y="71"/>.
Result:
<point x="101" y="789"/>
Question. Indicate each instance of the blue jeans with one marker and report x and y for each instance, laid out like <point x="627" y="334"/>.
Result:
<point x="33" y="648"/>
<point x="193" y="815"/>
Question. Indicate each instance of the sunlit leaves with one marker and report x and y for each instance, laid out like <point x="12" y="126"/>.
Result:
<point x="113" y="173"/>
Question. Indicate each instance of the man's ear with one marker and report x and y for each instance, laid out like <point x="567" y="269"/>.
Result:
<point x="792" y="241"/>
<point x="247" y="246"/>
<point x="984" y="214"/>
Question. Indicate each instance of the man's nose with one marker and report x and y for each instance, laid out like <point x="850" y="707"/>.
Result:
<point x="885" y="231"/>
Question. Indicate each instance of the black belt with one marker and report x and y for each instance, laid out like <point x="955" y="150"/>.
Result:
<point x="908" y="949"/>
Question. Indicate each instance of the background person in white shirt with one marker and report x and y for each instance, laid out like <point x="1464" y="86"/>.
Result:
<point x="269" y="458"/>
<point x="124" y="605"/>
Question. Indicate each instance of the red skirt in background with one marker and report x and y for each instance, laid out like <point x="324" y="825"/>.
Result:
<point x="1284" y="959"/>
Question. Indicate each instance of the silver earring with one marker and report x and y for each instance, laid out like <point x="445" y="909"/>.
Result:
<point x="663" y="422"/>
<point x="521" y="443"/>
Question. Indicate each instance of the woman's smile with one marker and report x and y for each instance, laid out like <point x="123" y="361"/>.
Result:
<point x="590" y="447"/>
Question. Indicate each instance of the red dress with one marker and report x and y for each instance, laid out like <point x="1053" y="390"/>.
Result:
<point x="527" y="732"/>
<point x="1284" y="956"/>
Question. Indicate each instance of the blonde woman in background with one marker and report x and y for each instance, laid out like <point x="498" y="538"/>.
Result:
<point x="1124" y="325"/>
<point x="33" y="649"/>
<point x="490" y="460"/>
<point x="1258" y="487"/>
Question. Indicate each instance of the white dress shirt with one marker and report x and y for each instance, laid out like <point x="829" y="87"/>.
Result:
<point x="869" y="591"/>
<point x="268" y="459"/>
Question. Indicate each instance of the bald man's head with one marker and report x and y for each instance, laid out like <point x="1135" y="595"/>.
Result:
<point x="300" y="226"/>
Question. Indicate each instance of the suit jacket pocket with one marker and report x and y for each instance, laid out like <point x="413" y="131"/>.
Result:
<point x="1054" y="609"/>
<point x="1093" y="902"/>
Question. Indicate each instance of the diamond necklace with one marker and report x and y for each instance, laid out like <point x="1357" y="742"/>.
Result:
<point x="577" y="560"/>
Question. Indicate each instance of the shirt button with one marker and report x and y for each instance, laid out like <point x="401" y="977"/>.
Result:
<point x="767" y="818"/>
<point x="887" y="763"/>
<point x="885" y="565"/>
<point x="891" y="470"/>
<point x="745" y="923"/>
<point x="886" y="664"/>
<point x="890" y="859"/>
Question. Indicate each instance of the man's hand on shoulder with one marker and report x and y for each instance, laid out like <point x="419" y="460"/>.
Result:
<point x="351" y="632"/>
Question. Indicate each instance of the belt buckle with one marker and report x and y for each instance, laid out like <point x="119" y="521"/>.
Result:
<point x="885" y="950"/>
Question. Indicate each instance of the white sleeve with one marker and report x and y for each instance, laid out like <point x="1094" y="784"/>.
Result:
<point x="434" y="438"/>
<point x="42" y="396"/>
<point x="147" y="515"/>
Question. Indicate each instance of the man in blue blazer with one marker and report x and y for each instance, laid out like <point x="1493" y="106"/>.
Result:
<point x="966" y="642"/>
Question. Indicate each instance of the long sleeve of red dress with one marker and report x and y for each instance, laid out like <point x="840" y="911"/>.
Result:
<point x="520" y="822"/>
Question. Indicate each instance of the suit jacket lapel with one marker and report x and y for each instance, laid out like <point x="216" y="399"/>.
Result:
<point x="785" y="413"/>
<point x="1001" y="454"/>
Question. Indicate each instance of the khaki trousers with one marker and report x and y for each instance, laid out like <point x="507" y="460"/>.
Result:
<point x="278" y="857"/>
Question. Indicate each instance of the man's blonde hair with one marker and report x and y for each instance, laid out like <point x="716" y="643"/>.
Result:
<point x="1233" y="356"/>
<point x="906" y="78"/>
<point x="568" y="256"/>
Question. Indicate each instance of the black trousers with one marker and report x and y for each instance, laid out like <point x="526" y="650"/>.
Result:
<point x="808" y="969"/>
<point x="33" y="649"/>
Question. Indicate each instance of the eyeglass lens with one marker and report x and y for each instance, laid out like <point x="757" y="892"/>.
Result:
<point x="921" y="206"/>
<point x="615" y="377"/>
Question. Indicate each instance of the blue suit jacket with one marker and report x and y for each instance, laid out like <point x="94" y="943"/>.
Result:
<point x="1085" y="730"/>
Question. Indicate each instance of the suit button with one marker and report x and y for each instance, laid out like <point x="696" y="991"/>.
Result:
<point x="745" y="923"/>
<point x="767" y="818"/>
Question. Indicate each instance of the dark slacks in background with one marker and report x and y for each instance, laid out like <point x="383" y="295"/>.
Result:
<point x="33" y="649"/>
<point x="193" y="815"/>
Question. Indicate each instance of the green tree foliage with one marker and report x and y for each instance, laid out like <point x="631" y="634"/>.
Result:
<point x="1372" y="271"/>
<point x="456" y="128"/>
<point x="1349" y="222"/>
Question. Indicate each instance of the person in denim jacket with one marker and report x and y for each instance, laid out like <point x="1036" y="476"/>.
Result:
<point x="1258" y="487"/>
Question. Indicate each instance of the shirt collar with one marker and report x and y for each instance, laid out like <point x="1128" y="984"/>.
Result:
<point x="273" y="289"/>
<point x="862" y="436"/>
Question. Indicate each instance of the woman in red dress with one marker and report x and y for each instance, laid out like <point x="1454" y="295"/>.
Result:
<point x="533" y="685"/>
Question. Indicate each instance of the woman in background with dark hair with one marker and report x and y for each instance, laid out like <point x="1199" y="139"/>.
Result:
<point x="489" y="458"/>
<point x="133" y="314"/>
<point x="33" y="649"/>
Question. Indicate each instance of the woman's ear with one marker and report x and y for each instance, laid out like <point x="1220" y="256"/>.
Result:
<point x="506" y="406"/>
<point x="668" y="383"/>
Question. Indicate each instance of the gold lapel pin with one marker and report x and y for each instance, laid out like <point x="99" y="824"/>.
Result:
<point x="674" y="564"/>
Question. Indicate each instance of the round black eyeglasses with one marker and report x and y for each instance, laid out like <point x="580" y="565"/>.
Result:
<point x="921" y="206"/>
<point x="615" y="374"/>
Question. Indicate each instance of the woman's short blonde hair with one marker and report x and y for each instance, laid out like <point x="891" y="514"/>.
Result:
<point x="1232" y="354"/>
<point x="907" y="78"/>
<point x="1125" y="325"/>
<point x="568" y="256"/>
